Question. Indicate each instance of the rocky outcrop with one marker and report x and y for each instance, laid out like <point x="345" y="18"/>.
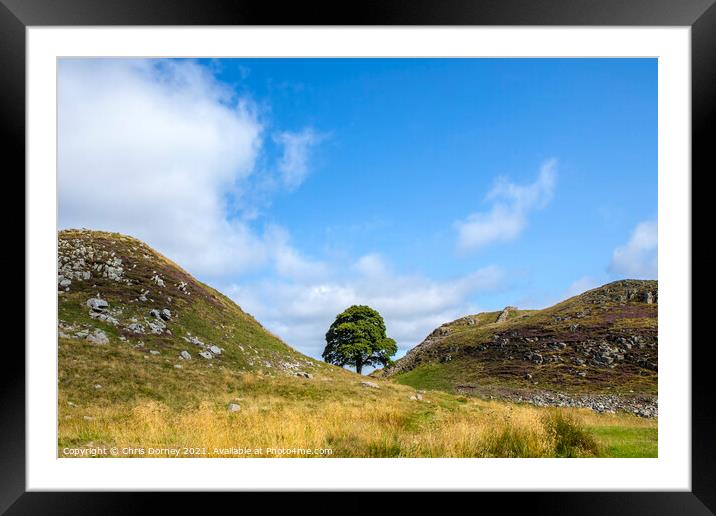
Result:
<point x="602" y="341"/>
<point x="80" y="261"/>
<point x="623" y="291"/>
<point x="505" y="313"/>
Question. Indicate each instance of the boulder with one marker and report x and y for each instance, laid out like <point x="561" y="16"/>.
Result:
<point x="104" y="317"/>
<point x="136" y="328"/>
<point x="97" y="304"/>
<point x="156" y="327"/>
<point x="371" y="385"/>
<point x="165" y="314"/>
<point x="98" y="337"/>
<point x="234" y="407"/>
<point x="185" y="355"/>
<point x="215" y="350"/>
<point x="206" y="354"/>
<point x="194" y="340"/>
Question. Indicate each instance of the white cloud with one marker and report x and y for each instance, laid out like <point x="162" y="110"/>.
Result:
<point x="412" y="306"/>
<point x="511" y="204"/>
<point x="638" y="258"/>
<point x="149" y="148"/>
<point x="582" y="285"/>
<point x="287" y="261"/>
<point x="293" y="165"/>
<point x="371" y="265"/>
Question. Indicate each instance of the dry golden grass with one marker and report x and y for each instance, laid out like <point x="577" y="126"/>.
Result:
<point x="282" y="417"/>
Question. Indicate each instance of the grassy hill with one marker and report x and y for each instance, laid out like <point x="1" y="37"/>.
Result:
<point x="602" y="344"/>
<point x="150" y="313"/>
<point x="149" y="357"/>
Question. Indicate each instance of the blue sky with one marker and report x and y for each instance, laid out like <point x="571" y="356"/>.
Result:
<point x="428" y="188"/>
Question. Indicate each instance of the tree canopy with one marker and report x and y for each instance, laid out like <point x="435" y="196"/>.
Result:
<point x="358" y="338"/>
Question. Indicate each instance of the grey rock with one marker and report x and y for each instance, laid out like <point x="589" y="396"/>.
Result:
<point x="215" y="350"/>
<point x="97" y="304"/>
<point x="156" y="326"/>
<point x="206" y="354"/>
<point x="185" y="355"/>
<point x="98" y="337"/>
<point x="534" y="357"/>
<point x="234" y="407"/>
<point x="154" y="352"/>
<point x="505" y="313"/>
<point x="165" y="314"/>
<point x="194" y="340"/>
<point x="136" y="328"/>
<point x="371" y="385"/>
<point x="104" y="317"/>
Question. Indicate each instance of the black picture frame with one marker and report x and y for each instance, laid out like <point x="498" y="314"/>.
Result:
<point x="700" y="15"/>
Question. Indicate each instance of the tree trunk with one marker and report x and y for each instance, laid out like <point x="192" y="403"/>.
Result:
<point x="359" y="366"/>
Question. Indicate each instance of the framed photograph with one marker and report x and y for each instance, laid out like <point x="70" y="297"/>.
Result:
<point x="405" y="250"/>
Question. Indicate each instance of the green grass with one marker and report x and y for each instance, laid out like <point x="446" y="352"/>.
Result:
<point x="429" y="376"/>
<point x="619" y="441"/>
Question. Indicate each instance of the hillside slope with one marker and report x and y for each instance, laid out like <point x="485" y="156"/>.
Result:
<point x="599" y="348"/>
<point x="136" y="324"/>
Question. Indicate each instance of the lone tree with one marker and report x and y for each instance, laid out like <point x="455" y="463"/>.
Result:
<point x="357" y="338"/>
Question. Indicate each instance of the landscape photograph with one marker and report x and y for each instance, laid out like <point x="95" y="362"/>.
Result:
<point x="357" y="258"/>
